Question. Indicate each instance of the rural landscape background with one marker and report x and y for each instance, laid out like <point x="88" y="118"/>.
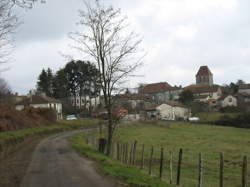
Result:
<point x="115" y="93"/>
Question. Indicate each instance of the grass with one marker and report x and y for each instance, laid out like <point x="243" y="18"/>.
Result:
<point x="129" y="174"/>
<point x="62" y="125"/>
<point x="214" y="116"/>
<point x="193" y="139"/>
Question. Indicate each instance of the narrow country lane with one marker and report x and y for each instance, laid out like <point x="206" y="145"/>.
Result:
<point x="55" y="164"/>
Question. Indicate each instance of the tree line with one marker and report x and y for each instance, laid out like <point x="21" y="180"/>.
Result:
<point x="77" y="78"/>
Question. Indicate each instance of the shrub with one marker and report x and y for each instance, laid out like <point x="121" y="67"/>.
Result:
<point x="11" y="119"/>
<point x="230" y="109"/>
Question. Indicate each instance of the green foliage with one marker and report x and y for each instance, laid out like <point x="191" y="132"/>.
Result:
<point x="230" y="109"/>
<point x="129" y="174"/>
<point x="44" y="83"/>
<point x="186" y="97"/>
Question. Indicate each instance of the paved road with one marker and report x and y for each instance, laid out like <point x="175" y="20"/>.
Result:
<point x="56" y="164"/>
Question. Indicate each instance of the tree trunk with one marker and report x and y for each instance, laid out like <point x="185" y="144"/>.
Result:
<point x="110" y="130"/>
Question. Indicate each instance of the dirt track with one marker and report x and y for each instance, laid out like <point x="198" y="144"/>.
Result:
<point x="55" y="164"/>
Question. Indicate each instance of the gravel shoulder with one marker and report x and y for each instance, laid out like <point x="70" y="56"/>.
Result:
<point x="14" y="166"/>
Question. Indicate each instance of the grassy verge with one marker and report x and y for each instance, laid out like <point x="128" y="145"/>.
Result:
<point x="193" y="139"/>
<point x="14" y="137"/>
<point x="129" y="174"/>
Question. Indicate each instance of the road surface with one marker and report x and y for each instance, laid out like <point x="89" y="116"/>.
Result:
<point x="55" y="164"/>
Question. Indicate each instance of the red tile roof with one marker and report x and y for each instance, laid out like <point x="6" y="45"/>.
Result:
<point x="203" y="71"/>
<point x="167" y="103"/>
<point x="157" y="87"/>
<point x="37" y="99"/>
<point x="202" y="88"/>
<point x="244" y="86"/>
<point x="133" y="96"/>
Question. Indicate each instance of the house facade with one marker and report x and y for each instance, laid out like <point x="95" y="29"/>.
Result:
<point x="85" y="101"/>
<point x="161" y="92"/>
<point x="171" y="111"/>
<point x="41" y="101"/>
<point x="203" y="93"/>
<point x="227" y="100"/>
<point x="244" y="88"/>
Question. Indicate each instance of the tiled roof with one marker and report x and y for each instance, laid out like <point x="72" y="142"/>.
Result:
<point x="37" y="99"/>
<point x="223" y="97"/>
<point x="242" y="95"/>
<point x="244" y="86"/>
<point x="157" y="87"/>
<point x="202" y="88"/>
<point x="133" y="96"/>
<point x="203" y="71"/>
<point x="167" y="103"/>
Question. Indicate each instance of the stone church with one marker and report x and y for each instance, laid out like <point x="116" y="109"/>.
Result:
<point x="204" y="76"/>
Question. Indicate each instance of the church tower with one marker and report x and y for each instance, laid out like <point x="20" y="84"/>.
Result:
<point x="204" y="76"/>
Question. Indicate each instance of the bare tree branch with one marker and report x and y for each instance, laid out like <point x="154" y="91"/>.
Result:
<point x="106" y="39"/>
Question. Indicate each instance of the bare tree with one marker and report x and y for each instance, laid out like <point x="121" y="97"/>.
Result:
<point x="8" y="24"/>
<point x="4" y="89"/>
<point x="108" y="42"/>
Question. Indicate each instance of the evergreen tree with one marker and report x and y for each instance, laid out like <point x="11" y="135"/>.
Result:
<point x="44" y="83"/>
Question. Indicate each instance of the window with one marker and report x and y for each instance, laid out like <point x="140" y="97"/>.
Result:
<point x="230" y="100"/>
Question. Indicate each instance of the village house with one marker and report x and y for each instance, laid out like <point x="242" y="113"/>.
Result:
<point x="244" y="88"/>
<point x="134" y="103"/>
<point x="203" y="93"/>
<point x="41" y="101"/>
<point x="85" y="101"/>
<point x="170" y="111"/>
<point x="161" y="92"/>
<point x="227" y="100"/>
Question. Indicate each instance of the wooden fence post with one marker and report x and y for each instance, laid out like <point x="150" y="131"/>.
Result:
<point x="179" y="168"/>
<point x="134" y="153"/>
<point x="244" y="172"/>
<point x="221" y="170"/>
<point x="118" y="151"/>
<point x="126" y="154"/>
<point x="131" y="153"/>
<point x="171" y="167"/>
<point x="142" y="157"/>
<point x="161" y="163"/>
<point x="150" y="161"/>
<point x="200" y="166"/>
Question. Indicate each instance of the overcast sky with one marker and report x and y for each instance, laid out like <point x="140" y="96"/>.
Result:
<point x="179" y="36"/>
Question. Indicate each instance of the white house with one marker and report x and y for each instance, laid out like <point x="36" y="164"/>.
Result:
<point x="85" y="101"/>
<point x="244" y="88"/>
<point x="227" y="100"/>
<point x="168" y="110"/>
<point x="41" y="101"/>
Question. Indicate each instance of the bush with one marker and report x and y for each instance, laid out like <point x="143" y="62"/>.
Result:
<point x="230" y="109"/>
<point x="11" y="119"/>
<point x="241" y="121"/>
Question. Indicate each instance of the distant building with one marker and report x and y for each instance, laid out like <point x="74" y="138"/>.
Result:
<point x="161" y="92"/>
<point x="203" y="92"/>
<point x="244" y="88"/>
<point x="171" y="111"/>
<point x="204" y="76"/>
<point x="41" y="101"/>
<point x="227" y="100"/>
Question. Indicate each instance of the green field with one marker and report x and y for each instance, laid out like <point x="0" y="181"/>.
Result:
<point x="193" y="139"/>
